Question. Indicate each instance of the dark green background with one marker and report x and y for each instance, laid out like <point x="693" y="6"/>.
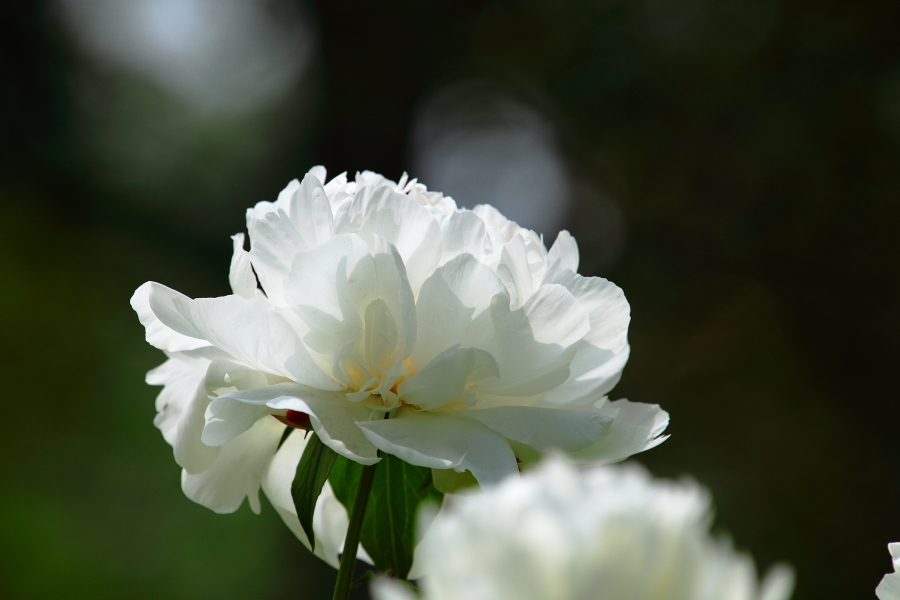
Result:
<point x="752" y="148"/>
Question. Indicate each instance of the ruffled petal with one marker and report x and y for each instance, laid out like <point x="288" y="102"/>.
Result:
<point x="636" y="427"/>
<point x="310" y="211"/>
<point x="545" y="428"/>
<point x="403" y="222"/>
<point x="160" y="335"/>
<point x="330" y="517"/>
<point x="444" y="441"/>
<point x="246" y="329"/>
<point x="451" y="298"/>
<point x="443" y="381"/>
<point x="237" y="470"/>
<point x="333" y="418"/>
<point x="332" y="289"/>
<point x="564" y="250"/>
<point x="605" y="303"/>
<point x="240" y="275"/>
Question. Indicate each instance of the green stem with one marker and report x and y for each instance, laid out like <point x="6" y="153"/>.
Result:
<point x="351" y="542"/>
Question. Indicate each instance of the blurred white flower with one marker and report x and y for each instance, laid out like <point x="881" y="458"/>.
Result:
<point x="381" y="299"/>
<point x="889" y="588"/>
<point x="605" y="533"/>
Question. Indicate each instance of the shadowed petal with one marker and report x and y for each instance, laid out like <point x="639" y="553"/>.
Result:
<point x="443" y="441"/>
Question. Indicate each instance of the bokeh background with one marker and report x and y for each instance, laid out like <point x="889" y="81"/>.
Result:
<point x="734" y="165"/>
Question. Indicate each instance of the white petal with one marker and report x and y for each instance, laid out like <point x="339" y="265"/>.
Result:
<point x="228" y="418"/>
<point x="636" y="427"/>
<point x="181" y="375"/>
<point x="310" y="211"/>
<point x="387" y="589"/>
<point x="465" y="303"/>
<point x="889" y="587"/>
<point x="319" y="172"/>
<point x="332" y="287"/>
<point x="593" y="372"/>
<point x="286" y="195"/>
<point x="237" y="470"/>
<point x="403" y="222"/>
<point x="330" y="517"/>
<point x="333" y="417"/>
<point x="448" y="302"/>
<point x="444" y="380"/>
<point x="274" y="242"/>
<point x="464" y="233"/>
<point x="606" y="304"/>
<point x="545" y="428"/>
<point x="443" y="441"/>
<point x="565" y="250"/>
<point x="248" y="330"/>
<point x="159" y="335"/>
<point x="515" y="258"/>
<point x="778" y="584"/>
<point x="190" y="452"/>
<point x="556" y="317"/>
<point x="240" y="275"/>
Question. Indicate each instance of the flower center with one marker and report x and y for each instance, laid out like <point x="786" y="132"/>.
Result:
<point x="377" y="387"/>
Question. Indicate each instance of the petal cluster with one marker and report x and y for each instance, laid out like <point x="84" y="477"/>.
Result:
<point x="451" y="338"/>
<point x="608" y="532"/>
<point x="889" y="588"/>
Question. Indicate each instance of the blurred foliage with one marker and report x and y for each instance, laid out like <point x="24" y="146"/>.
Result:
<point x="751" y="148"/>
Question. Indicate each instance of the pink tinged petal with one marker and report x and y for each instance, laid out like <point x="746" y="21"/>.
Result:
<point x="564" y="250"/>
<point x="444" y="441"/>
<point x="636" y="427"/>
<point x="330" y="517"/>
<point x="237" y="470"/>
<point x="545" y="428"/>
<point x="444" y="380"/>
<point x="246" y="329"/>
<point x="240" y="275"/>
<point x="160" y="335"/>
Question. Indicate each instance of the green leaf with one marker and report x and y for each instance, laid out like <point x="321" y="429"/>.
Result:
<point x="389" y="528"/>
<point x="312" y="472"/>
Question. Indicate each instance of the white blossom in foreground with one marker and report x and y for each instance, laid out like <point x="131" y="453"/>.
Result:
<point x="607" y="533"/>
<point x="397" y="322"/>
<point x="889" y="588"/>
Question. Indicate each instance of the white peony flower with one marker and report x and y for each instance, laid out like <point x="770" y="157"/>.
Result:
<point x="397" y="322"/>
<point x="889" y="588"/>
<point x="608" y="533"/>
